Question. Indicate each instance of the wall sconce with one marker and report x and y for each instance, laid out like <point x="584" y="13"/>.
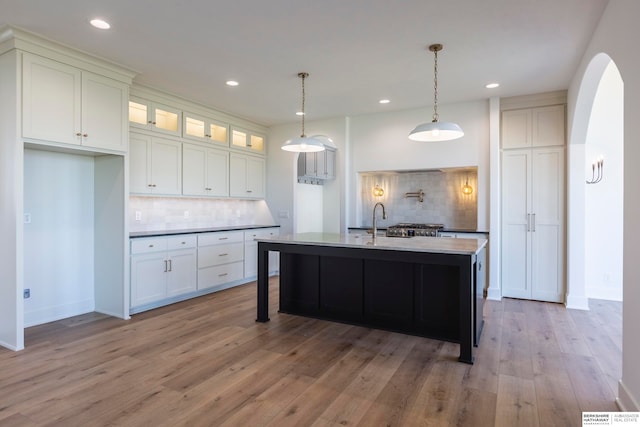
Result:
<point x="378" y="191"/>
<point x="466" y="188"/>
<point x="597" y="171"/>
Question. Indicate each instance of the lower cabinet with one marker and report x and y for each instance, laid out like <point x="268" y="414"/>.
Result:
<point x="220" y="259"/>
<point x="251" y="252"/>
<point x="161" y="268"/>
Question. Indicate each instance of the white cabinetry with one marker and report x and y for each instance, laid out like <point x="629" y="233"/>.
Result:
<point x="162" y="268"/>
<point x="205" y="129"/>
<point x="150" y="115"/>
<point x="220" y="259"/>
<point x="533" y="186"/>
<point x="247" y="140"/>
<point x="64" y="104"/>
<point x="316" y="167"/>
<point x="251" y="251"/>
<point x="533" y="127"/>
<point x="155" y="165"/>
<point x="246" y="176"/>
<point x="205" y="171"/>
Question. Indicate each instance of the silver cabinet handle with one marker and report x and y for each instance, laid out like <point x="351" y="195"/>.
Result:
<point x="165" y="266"/>
<point x="222" y="274"/>
<point x="223" y="254"/>
<point x="223" y="238"/>
<point x="170" y="266"/>
<point x="528" y="222"/>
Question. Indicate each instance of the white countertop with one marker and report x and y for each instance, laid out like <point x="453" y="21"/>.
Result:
<point x="444" y="245"/>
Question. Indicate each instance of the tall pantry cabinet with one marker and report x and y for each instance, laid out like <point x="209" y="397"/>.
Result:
<point x="533" y="201"/>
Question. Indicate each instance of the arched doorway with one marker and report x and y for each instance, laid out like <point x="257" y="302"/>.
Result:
<point x="594" y="248"/>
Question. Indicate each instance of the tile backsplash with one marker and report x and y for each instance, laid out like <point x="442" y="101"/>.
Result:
<point x="444" y="201"/>
<point x="173" y="213"/>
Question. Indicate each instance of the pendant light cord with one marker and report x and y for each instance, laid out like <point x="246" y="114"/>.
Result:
<point x="303" y="76"/>
<point x="435" y="86"/>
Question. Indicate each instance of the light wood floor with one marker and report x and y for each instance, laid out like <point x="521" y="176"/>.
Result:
<point x="206" y="362"/>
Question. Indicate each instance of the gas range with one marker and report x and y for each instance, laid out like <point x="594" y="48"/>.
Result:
<point x="405" y="229"/>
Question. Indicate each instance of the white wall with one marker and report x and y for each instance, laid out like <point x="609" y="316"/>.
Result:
<point x="617" y="36"/>
<point x="58" y="242"/>
<point x="11" y="187"/>
<point x="603" y="207"/>
<point x="380" y="142"/>
<point x="282" y="187"/>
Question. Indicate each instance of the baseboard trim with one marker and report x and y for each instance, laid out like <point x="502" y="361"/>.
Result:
<point x="494" y="294"/>
<point x="577" y="303"/>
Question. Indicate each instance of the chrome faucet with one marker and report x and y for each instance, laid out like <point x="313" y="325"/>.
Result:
<point x="384" y="216"/>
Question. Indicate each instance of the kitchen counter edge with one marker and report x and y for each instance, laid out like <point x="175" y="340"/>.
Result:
<point x="137" y="234"/>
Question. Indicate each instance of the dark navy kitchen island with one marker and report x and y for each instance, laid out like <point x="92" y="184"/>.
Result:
<point x="427" y="286"/>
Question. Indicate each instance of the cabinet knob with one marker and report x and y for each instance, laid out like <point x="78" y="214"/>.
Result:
<point x="249" y="191"/>
<point x="79" y="134"/>
<point x="85" y="135"/>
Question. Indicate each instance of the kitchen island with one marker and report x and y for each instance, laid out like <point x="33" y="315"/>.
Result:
<point x="427" y="286"/>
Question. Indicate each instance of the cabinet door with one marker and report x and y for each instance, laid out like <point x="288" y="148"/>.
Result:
<point x="148" y="278"/>
<point x="516" y="217"/>
<point x="255" y="177"/>
<point x="329" y="164"/>
<point x="548" y="126"/>
<point x="217" y="173"/>
<point x="139" y="164"/>
<point x="516" y="128"/>
<point x="166" y="166"/>
<point x="547" y="225"/>
<point x="182" y="274"/>
<point x="194" y="170"/>
<point x="104" y="112"/>
<point x="51" y="100"/>
<point x="237" y="175"/>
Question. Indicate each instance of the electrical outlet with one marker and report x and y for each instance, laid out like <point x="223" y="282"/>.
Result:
<point x="186" y="214"/>
<point x="138" y="216"/>
<point x="27" y="293"/>
<point x="27" y="218"/>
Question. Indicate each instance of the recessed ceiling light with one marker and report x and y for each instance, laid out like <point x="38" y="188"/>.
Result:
<point x="384" y="101"/>
<point x="232" y="83"/>
<point x="492" y="85"/>
<point x="99" y="23"/>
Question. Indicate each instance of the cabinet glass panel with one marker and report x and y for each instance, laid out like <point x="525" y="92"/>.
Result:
<point x="218" y="133"/>
<point x="166" y="120"/>
<point x="239" y="139"/>
<point x="137" y="113"/>
<point x="256" y="143"/>
<point x="194" y="127"/>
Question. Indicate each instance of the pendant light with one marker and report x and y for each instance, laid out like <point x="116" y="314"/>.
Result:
<point x="436" y="130"/>
<point x="303" y="143"/>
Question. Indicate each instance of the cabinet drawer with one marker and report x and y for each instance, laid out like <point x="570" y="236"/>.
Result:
<point x="222" y="237"/>
<point x="250" y="235"/>
<point x="220" y="274"/>
<point x="141" y="246"/>
<point x="182" y="242"/>
<point x="220" y="254"/>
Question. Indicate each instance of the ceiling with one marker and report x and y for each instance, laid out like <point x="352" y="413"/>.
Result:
<point x="356" y="51"/>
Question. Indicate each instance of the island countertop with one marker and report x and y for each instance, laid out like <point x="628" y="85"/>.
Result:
<point x="442" y="245"/>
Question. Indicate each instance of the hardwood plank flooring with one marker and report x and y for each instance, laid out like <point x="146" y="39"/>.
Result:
<point x="207" y="362"/>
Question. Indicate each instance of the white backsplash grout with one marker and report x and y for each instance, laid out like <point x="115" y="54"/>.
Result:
<point x="444" y="202"/>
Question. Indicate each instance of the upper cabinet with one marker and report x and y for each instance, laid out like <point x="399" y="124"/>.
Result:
<point x="144" y="114"/>
<point x="155" y="165"/>
<point x="247" y="140"/>
<point x="68" y="105"/>
<point x="533" y="127"/>
<point x="246" y="176"/>
<point x="315" y="168"/>
<point x="199" y="128"/>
